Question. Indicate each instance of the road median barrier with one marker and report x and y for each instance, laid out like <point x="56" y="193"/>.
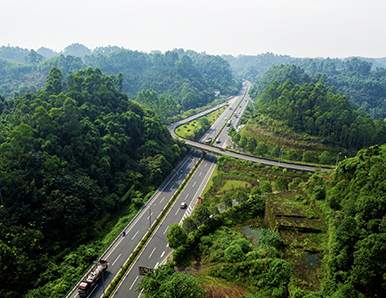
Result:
<point x="126" y="267"/>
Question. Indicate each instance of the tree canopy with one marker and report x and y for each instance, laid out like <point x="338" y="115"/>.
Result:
<point x="311" y="109"/>
<point x="70" y="157"/>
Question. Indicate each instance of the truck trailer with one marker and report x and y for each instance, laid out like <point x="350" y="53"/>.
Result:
<point x="88" y="283"/>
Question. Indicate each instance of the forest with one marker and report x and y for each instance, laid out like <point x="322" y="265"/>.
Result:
<point x="72" y="155"/>
<point x="82" y="137"/>
<point x="187" y="76"/>
<point x="312" y="110"/>
<point x="353" y="203"/>
<point x="362" y="80"/>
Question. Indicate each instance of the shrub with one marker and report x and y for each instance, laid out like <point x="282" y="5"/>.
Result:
<point x="271" y="238"/>
<point x="319" y="192"/>
<point x="281" y="184"/>
<point x="266" y="187"/>
<point x="234" y="253"/>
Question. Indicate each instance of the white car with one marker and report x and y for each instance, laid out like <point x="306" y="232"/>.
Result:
<point x="183" y="205"/>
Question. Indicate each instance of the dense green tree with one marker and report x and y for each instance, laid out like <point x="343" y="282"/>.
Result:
<point x="200" y="214"/>
<point x="243" y="142"/>
<point x="189" y="225"/>
<point x="281" y="184"/>
<point x="165" y="282"/>
<point x="261" y="148"/>
<point x="69" y="161"/>
<point x="251" y="145"/>
<point x="176" y="236"/>
<point x="266" y="187"/>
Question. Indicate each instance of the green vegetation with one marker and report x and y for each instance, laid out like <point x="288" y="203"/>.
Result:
<point x="195" y="129"/>
<point x="354" y="207"/>
<point x="307" y="124"/>
<point x="69" y="162"/>
<point x="184" y="80"/>
<point x="216" y="250"/>
<point x="275" y="139"/>
<point x="362" y="80"/>
<point x="310" y="109"/>
<point x="326" y="237"/>
<point x="165" y="282"/>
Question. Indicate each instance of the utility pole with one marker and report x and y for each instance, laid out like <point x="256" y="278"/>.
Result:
<point x="280" y="155"/>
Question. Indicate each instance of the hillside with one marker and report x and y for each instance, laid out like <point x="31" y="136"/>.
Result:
<point x="353" y="203"/>
<point x="189" y="77"/>
<point x="362" y="80"/>
<point x="290" y="235"/>
<point x="69" y="161"/>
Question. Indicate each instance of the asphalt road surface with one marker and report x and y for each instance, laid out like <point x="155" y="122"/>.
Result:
<point x="157" y="249"/>
<point x="123" y="246"/>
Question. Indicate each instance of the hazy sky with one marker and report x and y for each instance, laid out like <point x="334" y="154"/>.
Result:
<point x="300" y="28"/>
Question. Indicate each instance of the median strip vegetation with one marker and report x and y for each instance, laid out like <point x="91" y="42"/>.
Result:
<point x="195" y="129"/>
<point x="125" y="268"/>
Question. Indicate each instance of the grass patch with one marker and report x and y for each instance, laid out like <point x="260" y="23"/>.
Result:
<point x="275" y="133"/>
<point x="193" y="130"/>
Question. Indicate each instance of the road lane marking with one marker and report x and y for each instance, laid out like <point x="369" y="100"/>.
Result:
<point x="166" y="230"/>
<point x="156" y="265"/>
<point x="199" y="174"/>
<point x="91" y="291"/>
<point x="135" y="280"/>
<point x="149" y="216"/>
<point x="194" y="184"/>
<point x="205" y="165"/>
<point x="171" y="187"/>
<point x="177" y="211"/>
<point x="162" y="199"/>
<point x="134" y="235"/>
<point x="152" y="252"/>
<point x="162" y="254"/>
<point x="116" y="260"/>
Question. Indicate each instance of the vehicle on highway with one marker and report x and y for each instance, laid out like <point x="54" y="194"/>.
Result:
<point x="88" y="283"/>
<point x="208" y="140"/>
<point x="183" y="205"/>
<point x="218" y="141"/>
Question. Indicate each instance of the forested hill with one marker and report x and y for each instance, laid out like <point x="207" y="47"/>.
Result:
<point x="356" y="214"/>
<point x="363" y="80"/>
<point x="189" y="77"/>
<point x="68" y="161"/>
<point x="311" y="109"/>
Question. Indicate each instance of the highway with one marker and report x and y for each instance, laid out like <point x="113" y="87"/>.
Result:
<point x="121" y="249"/>
<point x="123" y="246"/>
<point x="221" y="121"/>
<point x="157" y="249"/>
